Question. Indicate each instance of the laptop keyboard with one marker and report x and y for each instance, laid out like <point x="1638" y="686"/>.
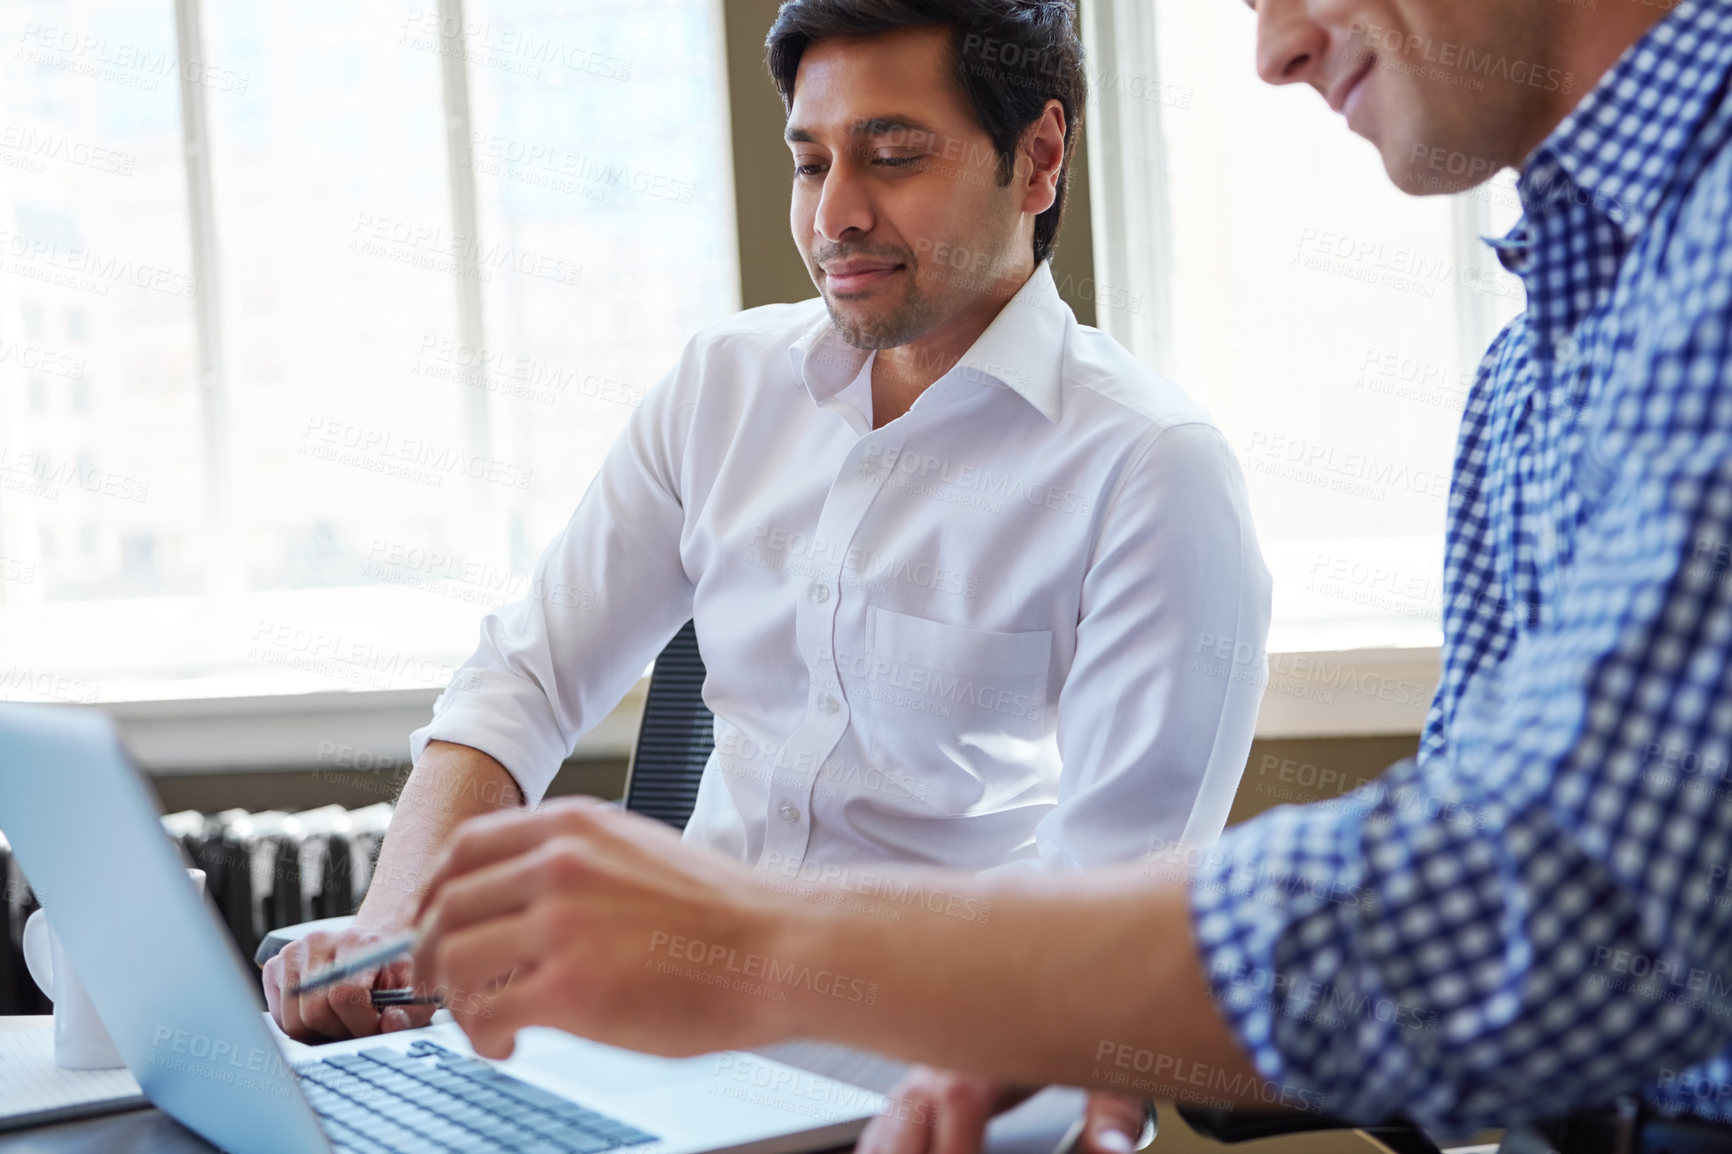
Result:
<point x="384" y="1101"/>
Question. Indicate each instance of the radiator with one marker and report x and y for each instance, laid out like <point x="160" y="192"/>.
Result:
<point x="262" y="870"/>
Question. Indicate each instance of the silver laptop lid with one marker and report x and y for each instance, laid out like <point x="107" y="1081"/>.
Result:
<point x="169" y="985"/>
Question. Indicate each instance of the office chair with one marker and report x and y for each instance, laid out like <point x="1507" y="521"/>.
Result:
<point x="676" y="736"/>
<point x="673" y="744"/>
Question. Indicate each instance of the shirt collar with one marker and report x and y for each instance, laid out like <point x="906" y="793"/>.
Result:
<point x="1022" y="350"/>
<point x="1621" y="148"/>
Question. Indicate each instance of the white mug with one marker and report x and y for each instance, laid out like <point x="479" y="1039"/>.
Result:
<point x="81" y="1042"/>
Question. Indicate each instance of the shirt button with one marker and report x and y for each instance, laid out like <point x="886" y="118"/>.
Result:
<point x="789" y="811"/>
<point x="868" y="468"/>
<point x="1567" y="350"/>
<point x="829" y="704"/>
<point x="819" y="592"/>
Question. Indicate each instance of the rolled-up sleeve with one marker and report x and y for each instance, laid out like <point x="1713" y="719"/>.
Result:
<point x="1534" y="916"/>
<point x="605" y="597"/>
<point x="1156" y="717"/>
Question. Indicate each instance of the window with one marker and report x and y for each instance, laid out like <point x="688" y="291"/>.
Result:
<point x="1330" y="323"/>
<point x="315" y="321"/>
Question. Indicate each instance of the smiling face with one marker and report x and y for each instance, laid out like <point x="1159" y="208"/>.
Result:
<point x="898" y="207"/>
<point x="1450" y="91"/>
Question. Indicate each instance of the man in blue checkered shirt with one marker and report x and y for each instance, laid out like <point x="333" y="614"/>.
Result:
<point x="1532" y="917"/>
<point x="1571" y="934"/>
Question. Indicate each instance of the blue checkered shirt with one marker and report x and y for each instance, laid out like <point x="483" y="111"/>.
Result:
<point x="1535" y="914"/>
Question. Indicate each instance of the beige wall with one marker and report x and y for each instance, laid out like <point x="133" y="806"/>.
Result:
<point x="1298" y="770"/>
<point x="1278" y="772"/>
<point x="296" y="787"/>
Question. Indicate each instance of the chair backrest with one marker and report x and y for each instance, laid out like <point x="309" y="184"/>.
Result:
<point x="676" y="737"/>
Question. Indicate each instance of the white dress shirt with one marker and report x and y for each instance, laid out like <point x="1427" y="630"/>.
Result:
<point x="991" y="631"/>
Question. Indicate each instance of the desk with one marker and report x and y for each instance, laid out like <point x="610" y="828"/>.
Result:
<point x="1032" y="1128"/>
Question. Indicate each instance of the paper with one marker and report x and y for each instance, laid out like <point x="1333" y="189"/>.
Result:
<point x="33" y="1090"/>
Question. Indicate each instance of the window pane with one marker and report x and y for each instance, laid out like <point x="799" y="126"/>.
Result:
<point x="101" y="482"/>
<point x="1331" y="323"/>
<point x="334" y="226"/>
<point x="599" y="137"/>
<point x="396" y="469"/>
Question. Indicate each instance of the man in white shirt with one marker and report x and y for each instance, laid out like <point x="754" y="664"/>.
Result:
<point x="974" y="587"/>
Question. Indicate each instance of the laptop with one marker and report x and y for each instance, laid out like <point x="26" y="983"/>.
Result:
<point x="185" y="1010"/>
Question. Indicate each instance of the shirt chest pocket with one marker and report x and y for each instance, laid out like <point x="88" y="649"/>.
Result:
<point x="965" y="710"/>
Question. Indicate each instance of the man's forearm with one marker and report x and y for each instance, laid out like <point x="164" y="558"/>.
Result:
<point x="1089" y="980"/>
<point x="449" y="784"/>
<point x="622" y="934"/>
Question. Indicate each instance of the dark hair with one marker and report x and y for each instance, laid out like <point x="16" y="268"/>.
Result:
<point x="1012" y="56"/>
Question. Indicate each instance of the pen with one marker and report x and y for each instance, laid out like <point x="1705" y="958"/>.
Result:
<point x="403" y="996"/>
<point x="385" y="952"/>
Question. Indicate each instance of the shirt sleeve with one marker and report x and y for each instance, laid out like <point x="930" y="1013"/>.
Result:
<point x="1534" y="915"/>
<point x="606" y="595"/>
<point x="1156" y="716"/>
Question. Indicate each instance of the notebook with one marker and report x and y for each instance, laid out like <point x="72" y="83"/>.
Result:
<point x="33" y="1090"/>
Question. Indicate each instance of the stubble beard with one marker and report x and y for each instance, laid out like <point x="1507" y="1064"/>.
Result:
<point x="905" y="324"/>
